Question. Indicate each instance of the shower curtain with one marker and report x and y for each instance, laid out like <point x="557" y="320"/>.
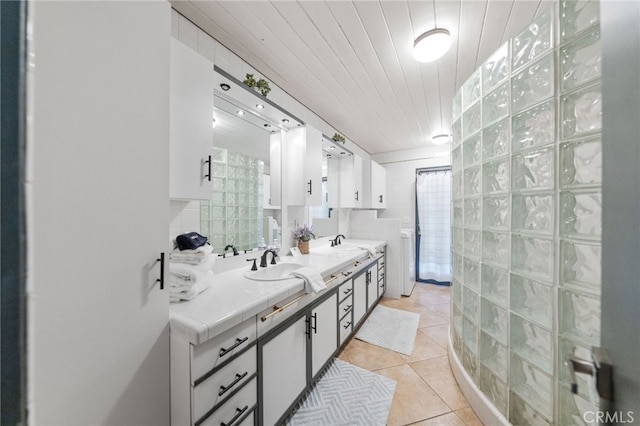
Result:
<point x="433" y="225"/>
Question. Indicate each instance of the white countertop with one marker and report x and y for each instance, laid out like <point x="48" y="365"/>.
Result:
<point x="234" y="298"/>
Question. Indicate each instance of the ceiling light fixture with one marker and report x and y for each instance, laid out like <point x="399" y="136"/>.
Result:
<point x="285" y="120"/>
<point x="431" y="45"/>
<point x="225" y="86"/>
<point x="440" y="139"/>
<point x="259" y="106"/>
<point x="240" y="112"/>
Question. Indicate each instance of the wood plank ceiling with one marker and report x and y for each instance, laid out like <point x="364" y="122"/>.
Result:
<point x="350" y="61"/>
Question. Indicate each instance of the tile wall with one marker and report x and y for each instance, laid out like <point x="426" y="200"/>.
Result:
<point x="527" y="170"/>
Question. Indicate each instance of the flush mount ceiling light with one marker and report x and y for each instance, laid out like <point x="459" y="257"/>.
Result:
<point x="225" y="86"/>
<point x="259" y="106"/>
<point x="431" y="45"/>
<point x="440" y="139"/>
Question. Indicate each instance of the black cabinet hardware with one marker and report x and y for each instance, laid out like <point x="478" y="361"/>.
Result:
<point x="347" y="325"/>
<point x="208" y="175"/>
<point x="310" y="190"/>
<point x="239" y="412"/>
<point x="238" y="342"/>
<point x="224" y="389"/>
<point x="161" y="279"/>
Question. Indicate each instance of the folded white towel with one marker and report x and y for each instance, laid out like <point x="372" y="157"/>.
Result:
<point x="371" y="249"/>
<point x="193" y="257"/>
<point x="175" y="295"/>
<point x="313" y="281"/>
<point x="190" y="274"/>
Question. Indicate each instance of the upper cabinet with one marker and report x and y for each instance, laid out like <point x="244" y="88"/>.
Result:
<point x="378" y="186"/>
<point x="351" y="193"/>
<point x="302" y="166"/>
<point x="191" y="131"/>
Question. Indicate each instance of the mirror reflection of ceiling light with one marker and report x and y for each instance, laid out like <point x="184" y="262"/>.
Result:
<point x="431" y="45"/>
<point x="440" y="139"/>
<point x="332" y="147"/>
<point x="285" y="120"/>
<point x="259" y="106"/>
<point x="240" y="112"/>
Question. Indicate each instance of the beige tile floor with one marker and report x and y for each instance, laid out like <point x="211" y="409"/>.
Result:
<point x="426" y="392"/>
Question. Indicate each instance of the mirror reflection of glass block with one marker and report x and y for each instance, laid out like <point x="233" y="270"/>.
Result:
<point x="581" y="163"/>
<point x="495" y="212"/>
<point x="494" y="389"/>
<point x="569" y="348"/>
<point x="496" y="140"/>
<point x="232" y="212"/>
<point x="470" y="304"/>
<point x="533" y="42"/>
<point x="495" y="284"/>
<point x="533" y="127"/>
<point x="457" y="184"/>
<point x="496" y="104"/>
<point x="532" y="257"/>
<point x="532" y="342"/>
<point x="533" y="170"/>
<point x="472" y="243"/>
<point x="575" y="410"/>
<point x="232" y="199"/>
<point x="580" y="316"/>
<point x="581" y="60"/>
<point x="218" y="169"/>
<point x="232" y="185"/>
<point x="458" y="239"/>
<point x="456" y="106"/>
<point x="218" y="184"/>
<point x="219" y="155"/>
<point x="494" y="355"/>
<point x="496" y="176"/>
<point x="576" y="16"/>
<point x="495" y="248"/>
<point x="581" y="112"/>
<point x="494" y="321"/>
<point x="533" y="84"/>
<point x="472" y="274"/>
<point x="496" y="68"/>
<point x="456" y="132"/>
<point x="533" y="212"/>
<point x="471" y="90"/>
<point x="472" y="212"/>
<point x="218" y="212"/>
<point x="471" y="121"/>
<point x="580" y="265"/>
<point x="581" y="214"/>
<point x="218" y="199"/>
<point x="458" y="212"/>
<point x="456" y="160"/>
<point x="472" y="177"/>
<point x="218" y="242"/>
<point x="532" y="300"/>
<point x="533" y="386"/>
<point x="520" y="413"/>
<point x="472" y="150"/>
<point x="470" y="362"/>
<point x="469" y="334"/>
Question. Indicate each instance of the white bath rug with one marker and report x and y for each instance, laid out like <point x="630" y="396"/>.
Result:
<point x="346" y="395"/>
<point x="390" y="328"/>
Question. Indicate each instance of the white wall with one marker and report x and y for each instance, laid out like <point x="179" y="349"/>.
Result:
<point x="97" y="212"/>
<point x="401" y="178"/>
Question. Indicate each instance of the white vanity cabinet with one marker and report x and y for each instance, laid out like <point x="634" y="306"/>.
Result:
<point x="302" y="164"/>
<point x="190" y="129"/>
<point x="213" y="381"/>
<point x="378" y="186"/>
<point x="345" y="310"/>
<point x="323" y="332"/>
<point x="351" y="195"/>
<point x="359" y="297"/>
<point x="267" y="200"/>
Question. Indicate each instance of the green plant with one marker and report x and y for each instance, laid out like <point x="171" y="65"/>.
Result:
<point x="338" y="138"/>
<point x="261" y="84"/>
<point x="250" y="81"/>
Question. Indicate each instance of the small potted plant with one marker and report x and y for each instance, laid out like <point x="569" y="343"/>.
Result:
<point x="338" y="138"/>
<point x="260" y="85"/>
<point x="303" y="234"/>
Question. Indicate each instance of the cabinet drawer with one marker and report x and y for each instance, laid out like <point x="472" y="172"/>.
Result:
<point x="345" y="291"/>
<point x="221" y="348"/>
<point x="223" y="382"/>
<point x="233" y="412"/>
<point x="346" y="325"/>
<point x="345" y="306"/>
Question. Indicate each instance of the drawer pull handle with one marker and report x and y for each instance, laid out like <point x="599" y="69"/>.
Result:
<point x="238" y="342"/>
<point x="347" y="308"/>
<point x="347" y="291"/>
<point x="347" y="325"/>
<point x="224" y="389"/>
<point x="239" y="412"/>
<point x="277" y="309"/>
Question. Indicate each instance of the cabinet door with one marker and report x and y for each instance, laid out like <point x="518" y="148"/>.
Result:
<point x="191" y="133"/>
<point x="324" y="332"/>
<point x="372" y="285"/>
<point x="357" y="179"/>
<point x="351" y="181"/>
<point x="284" y="370"/>
<point x="359" y="298"/>
<point x="378" y="186"/>
<point x="313" y="166"/>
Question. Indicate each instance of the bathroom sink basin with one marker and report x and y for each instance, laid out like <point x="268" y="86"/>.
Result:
<point x="347" y="247"/>
<point x="277" y="272"/>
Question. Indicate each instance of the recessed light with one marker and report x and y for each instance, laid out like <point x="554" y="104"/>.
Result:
<point x="285" y="120"/>
<point x="332" y="147"/>
<point x="259" y="106"/>
<point x="440" y="139"/>
<point x="225" y="86"/>
<point x="240" y="112"/>
<point x="342" y="153"/>
<point x="267" y="125"/>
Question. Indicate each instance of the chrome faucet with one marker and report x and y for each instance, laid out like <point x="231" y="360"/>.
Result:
<point x="232" y="247"/>
<point x="338" y="239"/>
<point x="263" y="259"/>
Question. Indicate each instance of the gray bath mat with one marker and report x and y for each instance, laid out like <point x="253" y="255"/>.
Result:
<point x="390" y="328"/>
<point x="346" y="395"/>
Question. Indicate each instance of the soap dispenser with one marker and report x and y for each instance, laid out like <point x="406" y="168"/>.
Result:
<point x="262" y="245"/>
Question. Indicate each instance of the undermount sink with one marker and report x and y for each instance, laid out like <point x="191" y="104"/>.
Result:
<point x="347" y="247"/>
<point x="277" y="272"/>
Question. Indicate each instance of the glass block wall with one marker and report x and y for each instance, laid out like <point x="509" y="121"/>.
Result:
<point x="527" y="167"/>
<point x="234" y="215"/>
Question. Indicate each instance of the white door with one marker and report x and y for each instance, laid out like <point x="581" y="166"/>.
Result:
<point x="98" y="212"/>
<point x="620" y="335"/>
<point x="324" y="335"/>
